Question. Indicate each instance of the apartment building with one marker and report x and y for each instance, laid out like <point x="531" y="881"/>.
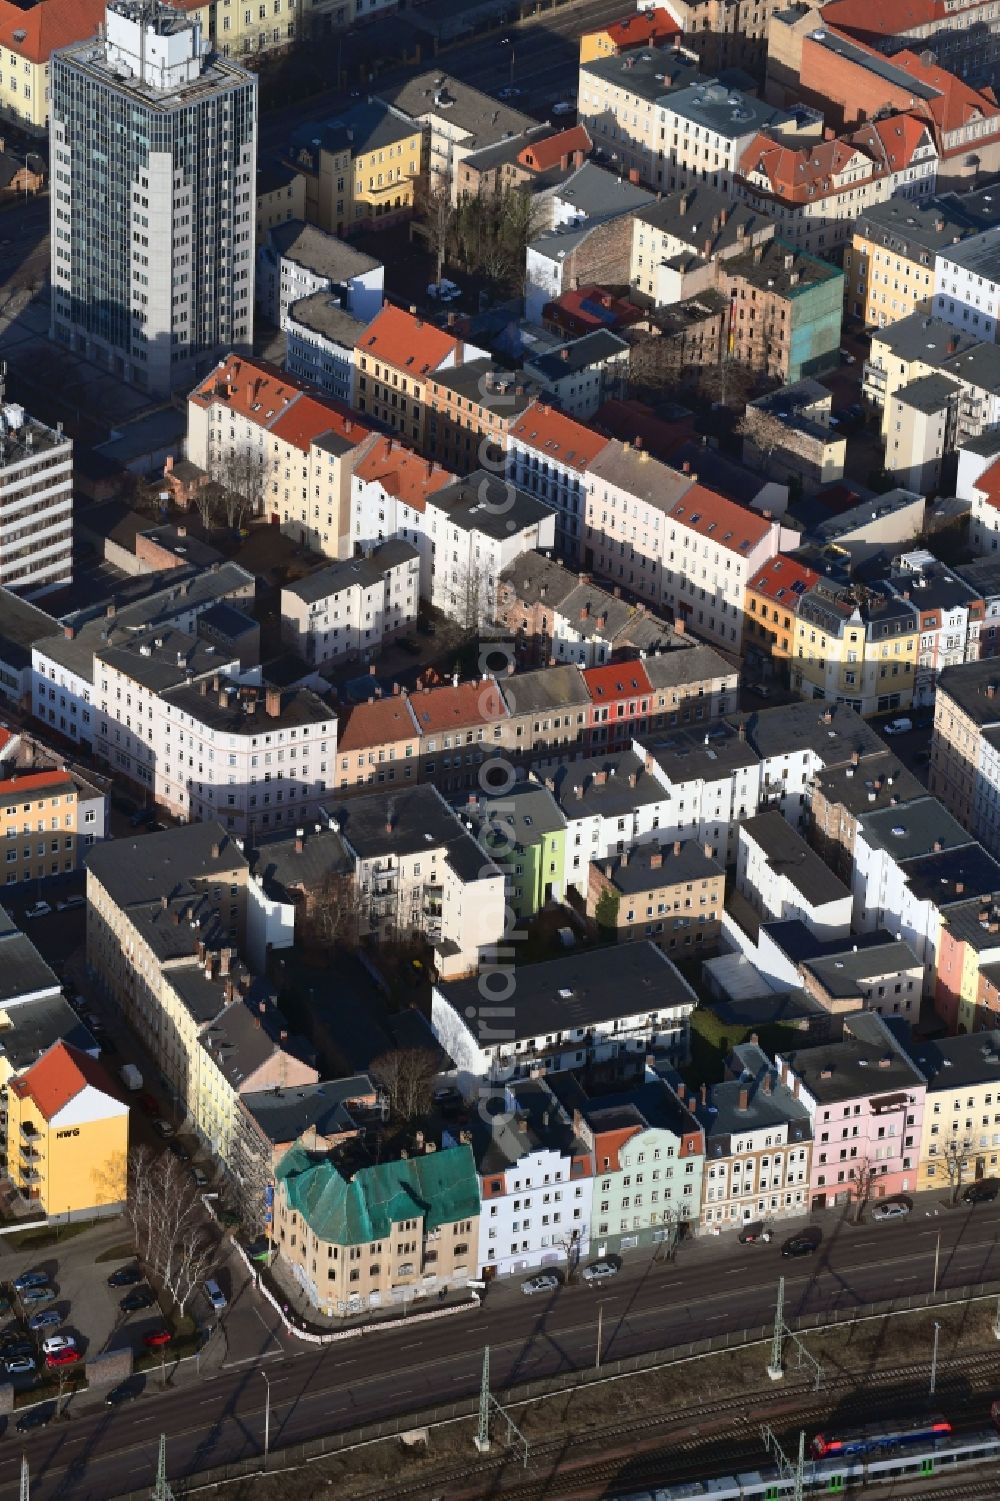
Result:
<point x="646" y="28"/>
<point x="966" y="41"/>
<point x="158" y="315"/>
<point x="550" y="457"/>
<point x="963" y="768"/>
<point x="657" y="893"/>
<point x="610" y="1004"/>
<point x="906" y="350"/>
<point x="960" y="1139"/>
<point x="771" y="603"/>
<point x="786" y="310"/>
<point x="758" y="1142"/>
<point x="36" y="504"/>
<point x="358" y="1235"/>
<point x="393" y="360"/>
<point x="865" y="1099"/>
<point x="890" y="261"/>
<point x="67" y="1135"/>
<point x="708" y="127"/>
<point x="461" y="727"/>
<point x="378" y="743"/>
<point x="621" y="101"/>
<point x="579" y="376"/>
<point x="536" y="1176"/>
<point x="884" y="976"/>
<point x="49" y="820"/>
<point x="561" y="616"/>
<point x="726" y="33"/>
<point x="418" y="871"/>
<point x="64" y="667"/>
<point x="529" y="161"/>
<point x="297" y="260"/>
<point x="817" y="189"/>
<point x="548" y="712"/>
<point x="856" y="645"/>
<point x="360" y="169"/>
<point x="797" y="742"/>
<point x="348" y="611"/>
<point x="677" y="240"/>
<point x="455" y="120"/>
<point x="471" y="410"/>
<point x="523" y="831"/>
<point x="281" y="196"/>
<point x="912" y="863"/>
<point x="782" y="878"/>
<point x="29" y="35"/>
<point x="967" y="284"/>
<point x="951" y="616"/>
<point x="389" y="494"/>
<point x="842" y="793"/>
<point x="792" y="438"/>
<point x="305" y="446"/>
<point x="320" y="336"/>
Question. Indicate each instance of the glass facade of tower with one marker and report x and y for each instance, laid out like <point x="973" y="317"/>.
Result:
<point x="152" y="212"/>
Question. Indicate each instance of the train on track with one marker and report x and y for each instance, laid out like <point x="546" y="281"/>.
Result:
<point x="911" y="1451"/>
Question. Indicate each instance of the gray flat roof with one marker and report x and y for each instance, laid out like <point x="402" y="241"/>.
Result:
<point x="841" y="974"/>
<point x="979" y="254"/>
<point x="725" y="111"/>
<point x="609" y="785"/>
<point x="928" y="393"/>
<point x="320" y="252"/>
<point x="913" y="829"/>
<point x="648" y="867"/>
<point x="959" y="1062"/>
<point x="596" y="193"/>
<point x="163" y="863"/>
<point x="518" y="817"/>
<point x="21" y="626"/>
<point x="324" y="315"/>
<point x="545" y="688"/>
<point x="485" y="502"/>
<point x="879" y="782"/>
<point x="974" y="686"/>
<point x="832" y="731"/>
<point x="36" y="1025"/>
<point x="702" y="755"/>
<point x="284" y="1113"/>
<point x="788" y="855"/>
<point x="578" y="990"/>
<point x="919" y="336"/>
<point x="649" y="72"/>
<point x="482" y="119"/>
<point x="407" y="820"/>
<point x="768" y="1103"/>
<point x="906" y="227"/>
<point x="869" y="1061"/>
<point x="363" y="572"/>
<point x="285" y="869"/>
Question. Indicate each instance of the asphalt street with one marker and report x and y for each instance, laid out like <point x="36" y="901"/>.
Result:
<point x="713" y="1287"/>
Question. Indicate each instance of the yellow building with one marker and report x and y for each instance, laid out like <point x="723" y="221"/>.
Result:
<point x="770" y="603"/>
<point x="647" y="28"/>
<point x="67" y="1135"/>
<point x="960" y="1137"/>
<point x="281" y="197"/>
<point x="48" y="820"/>
<point x="239" y="29"/>
<point x="856" y="645"/>
<point x="28" y="38"/>
<point x="361" y="170"/>
<point x="889" y="265"/>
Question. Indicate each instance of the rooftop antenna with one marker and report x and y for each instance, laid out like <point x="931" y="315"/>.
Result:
<point x="161" y="1490"/>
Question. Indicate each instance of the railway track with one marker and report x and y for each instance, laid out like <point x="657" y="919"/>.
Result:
<point x="693" y="1443"/>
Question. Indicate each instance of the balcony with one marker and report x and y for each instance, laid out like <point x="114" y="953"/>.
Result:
<point x="29" y="1131"/>
<point x="29" y="1154"/>
<point x="30" y="1175"/>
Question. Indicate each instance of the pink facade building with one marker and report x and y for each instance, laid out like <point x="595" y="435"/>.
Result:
<point x="865" y="1098"/>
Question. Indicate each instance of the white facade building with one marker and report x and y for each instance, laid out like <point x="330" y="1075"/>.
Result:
<point x="36" y="504"/>
<point x="967" y="285"/>
<point x="783" y="878"/>
<point x="348" y="611"/>
<point x="297" y="260"/>
<point x="320" y="336"/>
<point x="549" y="457"/>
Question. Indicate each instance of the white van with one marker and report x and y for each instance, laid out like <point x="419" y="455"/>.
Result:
<point x="899" y="726"/>
<point x="215" y="1295"/>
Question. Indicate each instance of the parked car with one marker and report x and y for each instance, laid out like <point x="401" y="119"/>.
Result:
<point x="200" y="1177"/>
<point x="38" y="909"/>
<point x="892" y="1209"/>
<point x="751" y="1234"/>
<point x="157" y="1338"/>
<point x="127" y="1392"/>
<point x="899" y="726"/>
<point x="47" y="1319"/>
<point x="511" y="91"/>
<point x="141" y="1298"/>
<point x="126" y="1276"/>
<point x="983" y="1192"/>
<point x="57" y="1342"/>
<point x="545" y="1282"/>
<point x="215" y="1295"/>
<point x="148" y="1103"/>
<point x="799" y="1245"/>
<point x="35" y="1417"/>
<point x="30" y="1279"/>
<point x="21" y="1365"/>
<point x="563" y="108"/>
<point x="36" y="1296"/>
<point x="180" y="1152"/>
<point x="71" y="903"/>
<point x="599" y="1271"/>
<point x="63" y="1357"/>
<point x="163" y="1127"/>
<point x="141" y="816"/>
<point x="17" y="1348"/>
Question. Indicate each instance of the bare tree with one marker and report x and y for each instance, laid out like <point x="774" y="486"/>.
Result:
<point x="333" y="913"/>
<point x="206" y="501"/>
<point x="764" y="431"/>
<point x="165" y="1214"/>
<point x="862" y="1176"/>
<point x="956" y="1156"/>
<point x="473" y="596"/>
<point x="406" y="1076"/>
<point x="243" y="475"/>
<point x="437" y="214"/>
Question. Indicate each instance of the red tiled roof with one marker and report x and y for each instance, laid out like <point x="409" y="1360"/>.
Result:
<point x="37" y="32"/>
<point x="381" y="721"/>
<point x="35" y="781"/>
<point x="633" y="422"/>
<point x="887" y="19"/>
<point x="712" y="515"/>
<point x="401" y="339"/>
<point x="805" y="174"/>
<point x="309" y="417"/>
<point x="277" y="402"/>
<point x="989" y="483"/>
<point x="446" y="707"/>
<point x="587" y="308"/>
<point x="617" y="680"/>
<point x="541" y="155"/>
<point x="644" y="27"/>
<point x="958" y="102"/>
<point x="402" y="473"/>
<point x="783" y="578"/>
<point x="557" y="436"/>
<point x="59" y="1076"/>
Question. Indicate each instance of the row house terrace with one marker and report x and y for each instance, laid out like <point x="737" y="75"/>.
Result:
<point x="865" y="1100"/>
<point x="395" y="360"/>
<point x="305" y="444"/>
<point x="550" y="456"/>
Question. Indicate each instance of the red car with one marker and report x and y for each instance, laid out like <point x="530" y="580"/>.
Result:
<point x="157" y="1338"/>
<point x="63" y="1357"/>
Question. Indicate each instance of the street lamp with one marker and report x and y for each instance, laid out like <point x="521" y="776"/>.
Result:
<point x="937" y="1331"/>
<point x="267" y="1417"/>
